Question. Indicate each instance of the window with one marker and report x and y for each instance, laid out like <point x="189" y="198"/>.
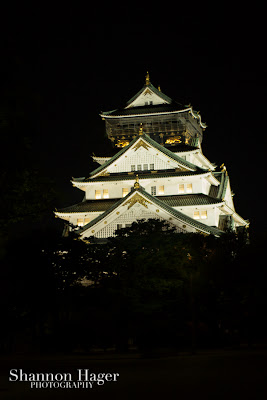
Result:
<point x="153" y="190"/>
<point x="181" y="188"/>
<point x="151" y="166"/>
<point x="196" y="215"/>
<point x="86" y="221"/>
<point x="127" y="225"/>
<point x="189" y="188"/>
<point x="80" y="221"/>
<point x="98" y="194"/>
<point x="105" y="194"/>
<point x="132" y="167"/>
<point x="125" y="191"/>
<point x="151" y="103"/>
<point x="119" y="226"/>
<point x="204" y="215"/>
<point x="161" y="190"/>
<point x="145" y="167"/>
<point x="139" y="167"/>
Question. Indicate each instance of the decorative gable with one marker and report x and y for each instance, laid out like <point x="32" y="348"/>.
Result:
<point x="146" y="98"/>
<point x="144" y="154"/>
<point x="138" y="205"/>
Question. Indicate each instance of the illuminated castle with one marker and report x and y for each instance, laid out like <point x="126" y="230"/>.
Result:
<point x="158" y="171"/>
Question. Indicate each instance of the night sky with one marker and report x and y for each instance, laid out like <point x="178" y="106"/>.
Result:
<point x="63" y="66"/>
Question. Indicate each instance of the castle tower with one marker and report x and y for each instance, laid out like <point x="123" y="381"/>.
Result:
<point x="158" y="171"/>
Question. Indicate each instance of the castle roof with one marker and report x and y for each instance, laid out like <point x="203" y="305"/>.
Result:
<point x="154" y="90"/>
<point x="182" y="200"/>
<point x="153" y="143"/>
<point x="151" y="109"/>
<point x="160" y="104"/>
<point x="145" y="197"/>
<point x="168" y="173"/>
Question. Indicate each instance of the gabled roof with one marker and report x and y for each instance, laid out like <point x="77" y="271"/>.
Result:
<point x="166" y="105"/>
<point x="156" y="201"/>
<point x="154" y="90"/>
<point x="154" y="144"/>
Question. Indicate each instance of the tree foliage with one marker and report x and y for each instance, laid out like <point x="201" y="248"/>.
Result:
<point x="148" y="282"/>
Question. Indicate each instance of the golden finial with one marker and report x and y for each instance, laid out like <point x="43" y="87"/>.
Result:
<point x="159" y="89"/>
<point x="223" y="168"/>
<point x="147" y="79"/>
<point x="141" y="129"/>
<point x="136" y="184"/>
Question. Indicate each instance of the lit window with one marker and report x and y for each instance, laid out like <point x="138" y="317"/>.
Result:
<point x="204" y="215"/>
<point x="139" y="167"/>
<point x="125" y="191"/>
<point x="86" y="221"/>
<point x="105" y="194"/>
<point x="145" y="167"/>
<point x="132" y="167"/>
<point x="153" y="190"/>
<point x="151" y="166"/>
<point x="189" y="188"/>
<point x="161" y="190"/>
<point x="98" y="194"/>
<point x="181" y="188"/>
<point x="196" y="215"/>
<point x="80" y="221"/>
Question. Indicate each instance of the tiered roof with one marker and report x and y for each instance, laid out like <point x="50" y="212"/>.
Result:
<point x="163" y="206"/>
<point x="166" y="106"/>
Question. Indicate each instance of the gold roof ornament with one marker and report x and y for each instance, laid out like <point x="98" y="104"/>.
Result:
<point x="159" y="89"/>
<point x="137" y="198"/>
<point x="223" y="167"/>
<point x="141" y="129"/>
<point x="136" y="184"/>
<point x="141" y="143"/>
<point x="147" y="79"/>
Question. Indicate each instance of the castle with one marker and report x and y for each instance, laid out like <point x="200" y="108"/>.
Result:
<point x="158" y="171"/>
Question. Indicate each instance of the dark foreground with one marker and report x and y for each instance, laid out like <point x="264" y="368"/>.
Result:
<point x="222" y="374"/>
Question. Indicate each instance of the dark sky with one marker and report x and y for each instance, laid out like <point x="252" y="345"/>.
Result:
<point x="65" y="65"/>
